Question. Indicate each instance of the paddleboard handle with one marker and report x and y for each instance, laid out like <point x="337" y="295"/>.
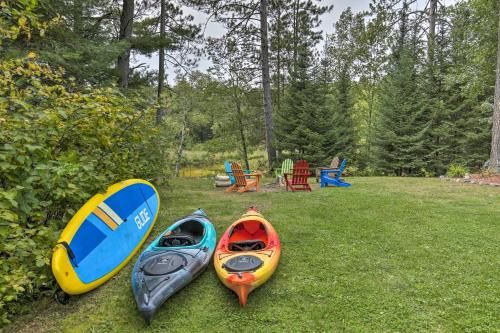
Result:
<point x="70" y="252"/>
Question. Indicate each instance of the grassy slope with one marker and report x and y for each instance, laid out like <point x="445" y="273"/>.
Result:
<point x="387" y="255"/>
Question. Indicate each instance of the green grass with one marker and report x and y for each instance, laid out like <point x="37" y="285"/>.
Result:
<point x="387" y="255"/>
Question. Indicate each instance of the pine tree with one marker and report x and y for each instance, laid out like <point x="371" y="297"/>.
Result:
<point x="340" y="139"/>
<point x="402" y="124"/>
<point x="469" y="97"/>
<point x="343" y="53"/>
<point x="301" y="124"/>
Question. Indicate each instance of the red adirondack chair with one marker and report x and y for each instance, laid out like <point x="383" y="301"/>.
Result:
<point x="242" y="183"/>
<point x="299" y="175"/>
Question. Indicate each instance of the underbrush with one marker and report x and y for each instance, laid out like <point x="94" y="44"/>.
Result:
<point x="60" y="144"/>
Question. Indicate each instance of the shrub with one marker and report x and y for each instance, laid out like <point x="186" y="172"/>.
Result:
<point x="58" y="146"/>
<point x="456" y="171"/>
<point x="426" y="173"/>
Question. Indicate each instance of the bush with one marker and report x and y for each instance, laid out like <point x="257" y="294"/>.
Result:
<point x="58" y="146"/>
<point x="368" y="171"/>
<point x="426" y="173"/>
<point x="456" y="171"/>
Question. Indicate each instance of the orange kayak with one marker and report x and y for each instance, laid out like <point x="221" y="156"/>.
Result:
<point x="247" y="254"/>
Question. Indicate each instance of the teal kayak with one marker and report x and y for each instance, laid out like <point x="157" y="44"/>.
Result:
<point x="181" y="253"/>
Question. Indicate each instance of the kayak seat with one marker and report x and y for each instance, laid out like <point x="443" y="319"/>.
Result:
<point x="187" y="234"/>
<point x="193" y="228"/>
<point x="243" y="235"/>
<point x="247" y="233"/>
<point x="177" y="239"/>
<point x="247" y="245"/>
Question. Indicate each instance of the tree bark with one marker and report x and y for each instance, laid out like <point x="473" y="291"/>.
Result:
<point x="295" y="33"/>
<point x="161" y="64"/>
<point x="126" y="24"/>
<point x="278" y="60"/>
<point x="370" y="118"/>
<point x="495" y="130"/>
<point x="241" y="128"/>
<point x="180" y="149"/>
<point x="266" y="83"/>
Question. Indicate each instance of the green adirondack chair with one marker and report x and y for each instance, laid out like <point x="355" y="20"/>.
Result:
<point x="286" y="167"/>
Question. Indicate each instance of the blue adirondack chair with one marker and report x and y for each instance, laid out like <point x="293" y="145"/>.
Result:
<point x="332" y="176"/>
<point x="229" y="172"/>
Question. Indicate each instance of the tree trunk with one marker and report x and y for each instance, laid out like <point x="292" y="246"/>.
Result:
<point x="370" y="118"/>
<point x="126" y="24"/>
<point x="278" y="60"/>
<point x="266" y="84"/>
<point x="241" y="129"/>
<point x="161" y="64"/>
<point x="180" y="149"/>
<point x="295" y="33"/>
<point x="495" y="130"/>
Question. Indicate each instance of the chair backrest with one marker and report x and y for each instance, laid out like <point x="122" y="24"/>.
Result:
<point x="238" y="174"/>
<point x="335" y="163"/>
<point x="287" y="166"/>
<point x="227" y="166"/>
<point x="341" y="169"/>
<point x="300" y="172"/>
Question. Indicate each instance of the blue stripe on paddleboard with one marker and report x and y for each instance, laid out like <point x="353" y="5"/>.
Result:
<point x="118" y="244"/>
<point x="99" y="224"/>
<point x="127" y="200"/>
<point x="86" y="239"/>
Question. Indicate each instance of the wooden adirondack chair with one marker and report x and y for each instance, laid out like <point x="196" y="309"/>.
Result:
<point x="227" y="167"/>
<point x="335" y="180"/>
<point x="299" y="175"/>
<point x="286" y="167"/>
<point x="242" y="183"/>
<point x="333" y="165"/>
<point x="229" y="172"/>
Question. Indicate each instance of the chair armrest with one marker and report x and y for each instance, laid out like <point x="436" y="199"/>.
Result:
<point x="254" y="174"/>
<point x="257" y="176"/>
<point x="330" y="170"/>
<point x="322" y="171"/>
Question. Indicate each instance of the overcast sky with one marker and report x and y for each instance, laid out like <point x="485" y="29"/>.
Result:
<point x="216" y="30"/>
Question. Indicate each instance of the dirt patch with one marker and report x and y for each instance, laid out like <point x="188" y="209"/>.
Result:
<point x="272" y="187"/>
<point x="477" y="179"/>
<point x="493" y="180"/>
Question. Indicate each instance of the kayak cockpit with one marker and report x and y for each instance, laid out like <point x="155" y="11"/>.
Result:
<point x="188" y="233"/>
<point x="249" y="235"/>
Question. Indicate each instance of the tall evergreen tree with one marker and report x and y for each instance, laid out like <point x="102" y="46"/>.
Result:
<point x="469" y="97"/>
<point x="343" y="53"/>
<point x="402" y="125"/>
<point x="301" y="124"/>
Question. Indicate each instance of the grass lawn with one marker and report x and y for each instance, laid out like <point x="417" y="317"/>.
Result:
<point x="387" y="255"/>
